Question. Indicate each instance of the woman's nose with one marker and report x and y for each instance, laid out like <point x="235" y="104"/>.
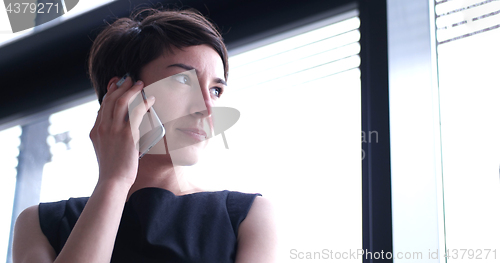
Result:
<point x="202" y="104"/>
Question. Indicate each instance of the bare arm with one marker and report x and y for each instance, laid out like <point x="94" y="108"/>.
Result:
<point x="257" y="238"/>
<point x="29" y="241"/>
<point x="92" y="238"/>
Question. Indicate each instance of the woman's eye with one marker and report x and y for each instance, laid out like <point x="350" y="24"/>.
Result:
<point x="216" y="92"/>
<point x="182" y="79"/>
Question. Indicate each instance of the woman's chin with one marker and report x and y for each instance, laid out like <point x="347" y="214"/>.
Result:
<point x="185" y="156"/>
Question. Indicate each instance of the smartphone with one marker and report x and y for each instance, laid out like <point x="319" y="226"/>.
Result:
<point x="151" y="138"/>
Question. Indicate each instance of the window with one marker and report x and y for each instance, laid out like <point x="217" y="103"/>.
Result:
<point x="73" y="170"/>
<point x="443" y="113"/>
<point x="9" y="139"/>
<point x="467" y="55"/>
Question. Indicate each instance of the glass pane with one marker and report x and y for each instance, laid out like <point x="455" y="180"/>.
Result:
<point x="10" y="141"/>
<point x="470" y="110"/>
<point x="73" y="171"/>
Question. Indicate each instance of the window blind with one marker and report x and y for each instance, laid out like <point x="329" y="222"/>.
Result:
<point x="306" y="57"/>
<point x="456" y="19"/>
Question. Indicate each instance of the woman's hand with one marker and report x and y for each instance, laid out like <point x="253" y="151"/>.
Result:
<point x="114" y="132"/>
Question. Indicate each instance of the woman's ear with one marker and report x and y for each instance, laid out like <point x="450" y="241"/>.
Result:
<point x="111" y="81"/>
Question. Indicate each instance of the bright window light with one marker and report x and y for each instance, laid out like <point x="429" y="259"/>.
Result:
<point x="10" y="141"/>
<point x="295" y="42"/>
<point x="336" y="44"/>
<point x="469" y="108"/>
<point x="73" y="171"/>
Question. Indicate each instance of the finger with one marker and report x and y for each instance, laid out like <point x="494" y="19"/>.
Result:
<point x="97" y="122"/>
<point x="106" y="110"/>
<point x="109" y="91"/>
<point x="98" y="117"/>
<point x="138" y="113"/>
<point x="122" y="85"/>
<point x="114" y="92"/>
<point x="122" y="103"/>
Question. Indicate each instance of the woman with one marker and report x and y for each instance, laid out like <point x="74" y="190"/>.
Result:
<point x="145" y="210"/>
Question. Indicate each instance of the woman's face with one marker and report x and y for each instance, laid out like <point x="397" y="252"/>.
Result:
<point x="186" y="84"/>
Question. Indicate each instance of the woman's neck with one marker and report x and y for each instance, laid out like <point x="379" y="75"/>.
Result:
<point x="158" y="171"/>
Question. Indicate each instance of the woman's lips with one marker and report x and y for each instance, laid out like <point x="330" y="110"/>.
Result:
<point x="197" y="134"/>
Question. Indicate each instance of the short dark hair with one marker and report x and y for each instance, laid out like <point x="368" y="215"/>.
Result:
<point x="128" y="44"/>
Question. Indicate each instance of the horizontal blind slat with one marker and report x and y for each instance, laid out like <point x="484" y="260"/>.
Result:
<point x="450" y="7"/>
<point x="313" y="55"/>
<point x="468" y="29"/>
<point x="297" y="54"/>
<point x="295" y="42"/>
<point x="306" y="75"/>
<point x="456" y="19"/>
<point x="466" y="15"/>
<point x="301" y="65"/>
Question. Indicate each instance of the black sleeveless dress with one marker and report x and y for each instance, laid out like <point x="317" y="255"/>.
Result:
<point x="158" y="226"/>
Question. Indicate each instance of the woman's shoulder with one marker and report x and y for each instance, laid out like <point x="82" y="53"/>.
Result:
<point x="57" y="219"/>
<point x="72" y="207"/>
<point x="236" y="203"/>
<point x="29" y="240"/>
<point x="257" y="234"/>
<point x="72" y="201"/>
